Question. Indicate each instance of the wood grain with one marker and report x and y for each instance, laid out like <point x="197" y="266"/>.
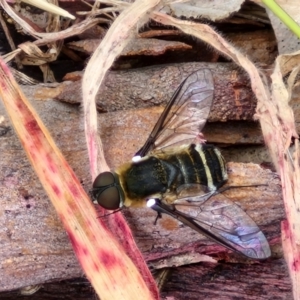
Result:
<point x="34" y="246"/>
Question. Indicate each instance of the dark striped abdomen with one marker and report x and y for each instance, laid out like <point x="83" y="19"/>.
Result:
<point x="201" y="164"/>
<point x="167" y="172"/>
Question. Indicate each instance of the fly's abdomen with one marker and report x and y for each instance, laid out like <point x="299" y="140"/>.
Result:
<point x="202" y="164"/>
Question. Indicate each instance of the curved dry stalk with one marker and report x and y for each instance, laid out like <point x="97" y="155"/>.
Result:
<point x="278" y="127"/>
<point x="111" y="47"/>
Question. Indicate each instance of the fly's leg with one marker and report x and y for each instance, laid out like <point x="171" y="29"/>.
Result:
<point x="152" y="201"/>
<point x="198" y="198"/>
<point x="159" y="216"/>
<point x="225" y="188"/>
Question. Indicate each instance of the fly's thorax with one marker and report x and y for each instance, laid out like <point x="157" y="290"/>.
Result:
<point x="147" y="178"/>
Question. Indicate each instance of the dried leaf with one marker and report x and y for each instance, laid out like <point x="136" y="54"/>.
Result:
<point x="136" y="46"/>
<point x="287" y="41"/>
<point x="211" y="10"/>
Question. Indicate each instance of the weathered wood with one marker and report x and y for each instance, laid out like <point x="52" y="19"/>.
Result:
<point x="72" y="289"/>
<point x="145" y="87"/>
<point x="259" y="45"/>
<point x="34" y="244"/>
<point x="268" y="280"/>
<point x="34" y="247"/>
<point x="226" y="281"/>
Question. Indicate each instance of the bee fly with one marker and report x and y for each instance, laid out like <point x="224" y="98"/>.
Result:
<point x="176" y="171"/>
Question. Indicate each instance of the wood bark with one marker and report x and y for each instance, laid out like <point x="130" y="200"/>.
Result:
<point x="34" y="247"/>
<point x="145" y="87"/>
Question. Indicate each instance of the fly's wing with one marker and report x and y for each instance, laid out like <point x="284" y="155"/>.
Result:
<point x="185" y="114"/>
<point x="224" y="222"/>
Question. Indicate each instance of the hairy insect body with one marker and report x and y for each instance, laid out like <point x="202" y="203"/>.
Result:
<point x="179" y="178"/>
<point x="166" y="175"/>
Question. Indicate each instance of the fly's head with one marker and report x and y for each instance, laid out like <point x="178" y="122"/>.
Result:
<point x="107" y="191"/>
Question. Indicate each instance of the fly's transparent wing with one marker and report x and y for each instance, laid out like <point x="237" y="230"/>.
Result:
<point x="228" y="224"/>
<point x="185" y="114"/>
<point x="222" y="221"/>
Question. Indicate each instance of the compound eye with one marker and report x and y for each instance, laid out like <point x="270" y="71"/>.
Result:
<point x="109" y="198"/>
<point x="105" y="192"/>
<point x="103" y="179"/>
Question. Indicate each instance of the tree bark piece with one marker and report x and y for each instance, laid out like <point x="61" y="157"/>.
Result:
<point x="268" y="280"/>
<point x="35" y="248"/>
<point x="140" y="88"/>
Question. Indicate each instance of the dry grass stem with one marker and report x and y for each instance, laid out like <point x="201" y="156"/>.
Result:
<point x="113" y="43"/>
<point x="278" y="127"/>
<point x="107" y="266"/>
